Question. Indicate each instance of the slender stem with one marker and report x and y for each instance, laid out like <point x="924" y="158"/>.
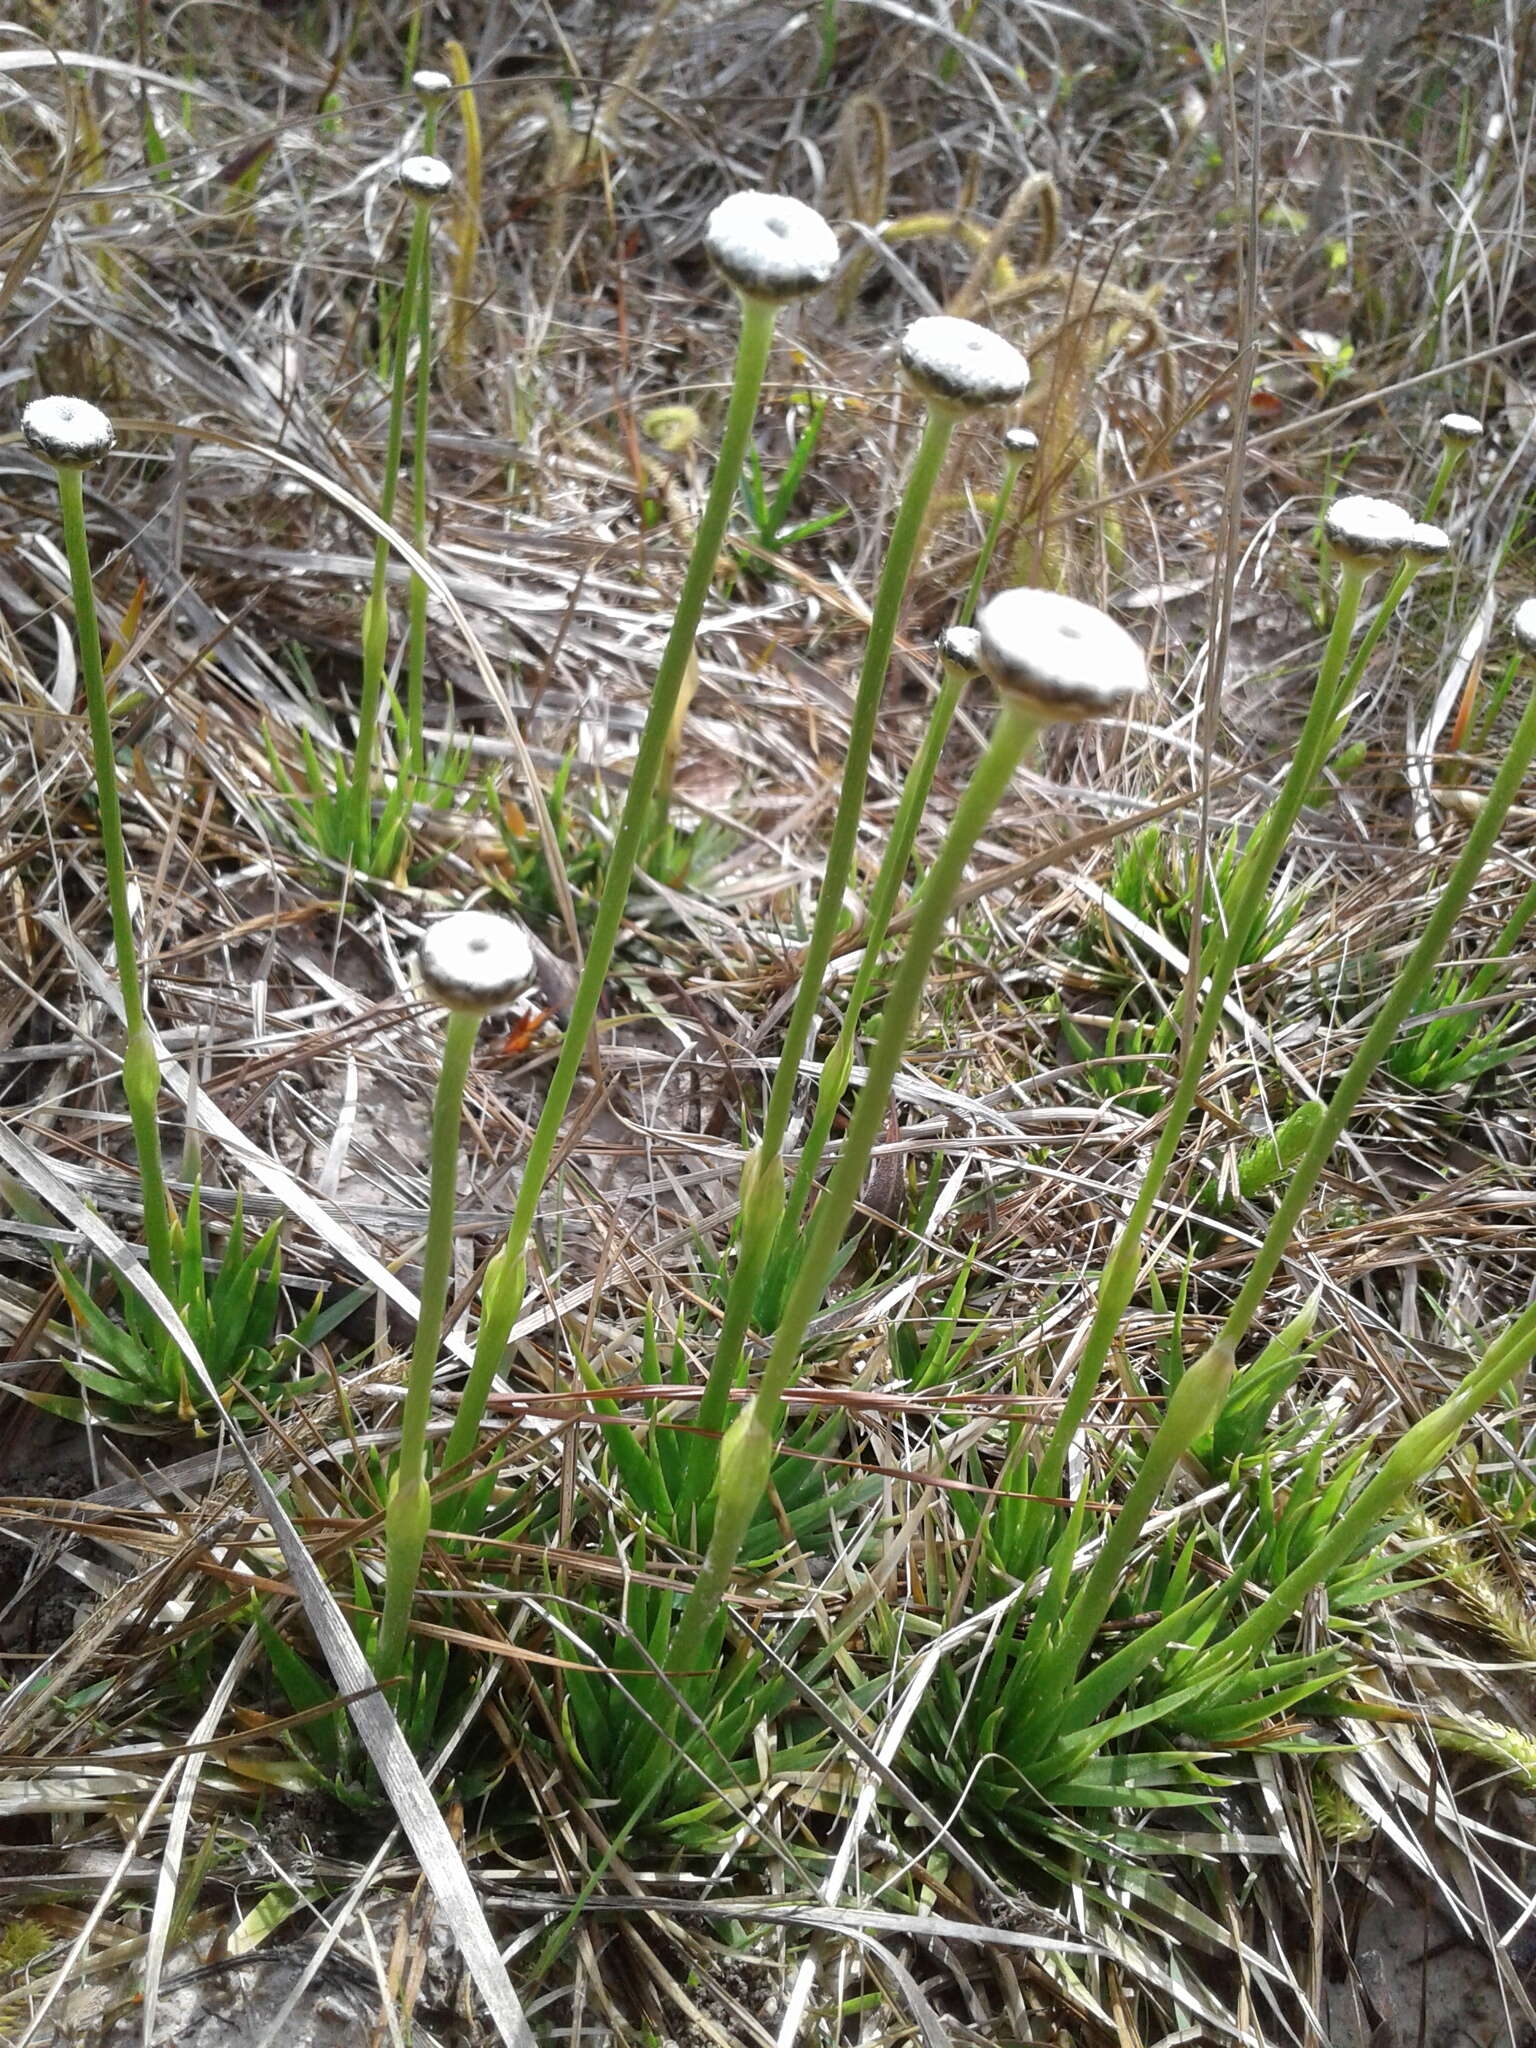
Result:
<point x="893" y="868"/>
<point x="893" y="864"/>
<point x="1411" y="1458"/>
<point x="1122" y="1268"/>
<point x="757" y="321"/>
<point x="1394" y="1008"/>
<point x="759" y="1423"/>
<point x="843" y="841"/>
<point x="1402" y="576"/>
<point x="375" y="611"/>
<point x="501" y="1302"/>
<point x="141" y="1072"/>
<point x="754" y="1247"/>
<point x="416" y="645"/>
<point x="1450" y="462"/>
<point x="409" y="1505"/>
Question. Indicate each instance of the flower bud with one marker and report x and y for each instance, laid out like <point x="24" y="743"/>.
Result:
<point x="769" y="246"/>
<point x="960" y="648"/>
<point x="67" y="432"/>
<point x="1064" y="659"/>
<point x="426" y="178"/>
<point x="473" y="960"/>
<point x="957" y="364"/>
<point x="1365" y="532"/>
<point x="431" y="87"/>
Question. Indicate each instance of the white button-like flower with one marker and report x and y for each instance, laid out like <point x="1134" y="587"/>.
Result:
<point x="1524" y="624"/>
<point x="1021" y="441"/>
<point x="770" y="246"/>
<point x="960" y="648"/>
<point x="957" y="364"/>
<point x="1366" y="531"/>
<point x="473" y="960"/>
<point x="426" y="178"/>
<point x="68" y="432"/>
<point x="1427" y="544"/>
<point x="1065" y="659"/>
<point x="1460" y="429"/>
<point x="431" y="87"/>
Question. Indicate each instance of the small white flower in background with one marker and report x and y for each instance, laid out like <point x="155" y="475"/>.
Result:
<point x="1524" y="624"/>
<point x="1064" y="659"/>
<point x="1427" y="544"/>
<point x="431" y="87"/>
<point x="960" y="647"/>
<point x="473" y="960"/>
<point x="770" y="246"/>
<point x="426" y="177"/>
<point x="1021" y="441"/>
<point x="1460" y="429"/>
<point x="955" y="363"/>
<point x="68" y="432"/>
<point x="1366" y="531"/>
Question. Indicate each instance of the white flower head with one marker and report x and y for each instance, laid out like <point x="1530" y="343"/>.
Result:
<point x="770" y="246"/>
<point x="426" y="178"/>
<point x="1460" y="429"/>
<point x="1065" y="659"/>
<point x="957" y="364"/>
<point x="68" y="432"/>
<point x="1021" y="441"/>
<point x="473" y="960"/>
<point x="960" y="648"/>
<point x="1365" y="531"/>
<point x="431" y="87"/>
<point x="1427" y="544"/>
<point x="1524" y="624"/>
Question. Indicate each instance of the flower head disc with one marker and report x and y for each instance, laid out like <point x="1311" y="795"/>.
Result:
<point x="1427" y="544"/>
<point x="426" y="178"/>
<point x="770" y="246"/>
<point x="473" y="960"/>
<point x="1365" y="531"/>
<point x="957" y="364"/>
<point x="960" y="648"/>
<point x="431" y="87"/>
<point x="67" y="432"/>
<point x="1524" y="623"/>
<point x="1064" y="659"/>
<point x="1460" y="429"/>
<point x="1020" y="441"/>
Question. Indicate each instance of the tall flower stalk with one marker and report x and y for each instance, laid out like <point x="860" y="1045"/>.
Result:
<point x="957" y="369"/>
<point x="1051" y="658"/>
<point x="771" y="249"/>
<point x="71" y="436"/>
<point x="425" y="180"/>
<point x="1365" y="534"/>
<point x="470" y="963"/>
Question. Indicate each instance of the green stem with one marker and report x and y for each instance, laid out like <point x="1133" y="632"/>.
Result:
<point x="141" y="1072"/>
<point x="759" y="1422"/>
<point x="1406" y="990"/>
<point x="1415" y="1454"/>
<point x="842" y="844"/>
<point x="409" y="1505"/>
<point x="757" y="322"/>
<point x="376" y="611"/>
<point x="894" y="863"/>
<point x="753" y="1249"/>
<point x="1402" y="576"/>
<point x="1450" y="462"/>
<point x="416" y="646"/>
<point x="1122" y="1268"/>
<point x="501" y="1303"/>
